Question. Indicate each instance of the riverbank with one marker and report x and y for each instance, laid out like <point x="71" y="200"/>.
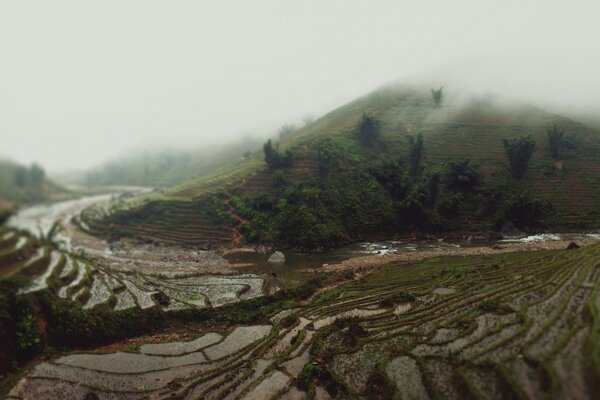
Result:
<point x="367" y="264"/>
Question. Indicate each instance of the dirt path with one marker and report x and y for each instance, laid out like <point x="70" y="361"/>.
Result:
<point x="237" y="238"/>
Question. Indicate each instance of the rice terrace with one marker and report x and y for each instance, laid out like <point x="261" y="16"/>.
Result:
<point x="299" y="200"/>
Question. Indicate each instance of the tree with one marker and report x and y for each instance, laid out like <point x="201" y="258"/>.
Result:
<point x="21" y="177"/>
<point x="276" y="160"/>
<point x="526" y="211"/>
<point x="328" y="156"/>
<point x="557" y="139"/>
<point x="367" y="130"/>
<point x="462" y="175"/>
<point x="36" y="175"/>
<point x="519" y="151"/>
<point x="437" y="96"/>
<point x="415" y="154"/>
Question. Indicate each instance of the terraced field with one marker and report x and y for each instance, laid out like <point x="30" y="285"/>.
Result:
<point x="521" y="325"/>
<point x="89" y="283"/>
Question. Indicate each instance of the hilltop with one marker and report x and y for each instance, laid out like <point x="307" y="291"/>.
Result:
<point x="389" y="163"/>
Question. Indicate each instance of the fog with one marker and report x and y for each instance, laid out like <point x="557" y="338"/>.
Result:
<point x="84" y="81"/>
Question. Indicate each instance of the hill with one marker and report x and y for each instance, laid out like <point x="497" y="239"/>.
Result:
<point x="425" y="168"/>
<point x="166" y="167"/>
<point x="20" y="185"/>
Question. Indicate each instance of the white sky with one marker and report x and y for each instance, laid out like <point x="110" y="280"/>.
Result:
<point x="83" y="81"/>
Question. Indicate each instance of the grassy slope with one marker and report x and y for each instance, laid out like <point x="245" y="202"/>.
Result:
<point x="457" y="130"/>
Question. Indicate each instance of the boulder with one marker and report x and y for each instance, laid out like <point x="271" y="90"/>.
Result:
<point x="572" y="246"/>
<point x="510" y="231"/>
<point x="277" y="258"/>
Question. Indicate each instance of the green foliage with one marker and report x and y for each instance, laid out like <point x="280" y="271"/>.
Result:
<point x="557" y="140"/>
<point x="275" y="159"/>
<point x="309" y="374"/>
<point x="526" y="211"/>
<point x="328" y="156"/>
<point x="367" y="130"/>
<point x="519" y="151"/>
<point x="437" y="96"/>
<point x="462" y="176"/>
<point x="415" y="154"/>
<point x="392" y="176"/>
<point x="279" y="179"/>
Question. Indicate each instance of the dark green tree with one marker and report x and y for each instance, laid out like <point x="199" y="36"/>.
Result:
<point x="367" y="130"/>
<point x="415" y="154"/>
<point x="519" y="151"/>
<point x="275" y="159"/>
<point x="462" y="176"/>
<point x="37" y="175"/>
<point x="21" y="177"/>
<point x="437" y="96"/>
<point x="328" y="156"/>
<point x="557" y="140"/>
<point x="526" y="211"/>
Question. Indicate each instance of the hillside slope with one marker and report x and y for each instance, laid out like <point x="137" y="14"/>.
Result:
<point x="24" y="185"/>
<point x="339" y="189"/>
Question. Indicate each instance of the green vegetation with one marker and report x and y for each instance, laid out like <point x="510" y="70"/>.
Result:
<point x="24" y="185"/>
<point x="367" y="130"/>
<point x="275" y="159"/>
<point x="519" y="152"/>
<point x="558" y="141"/>
<point x="437" y="96"/>
<point x="387" y="157"/>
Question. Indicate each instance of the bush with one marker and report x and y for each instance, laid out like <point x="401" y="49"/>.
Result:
<point x="519" y="151"/>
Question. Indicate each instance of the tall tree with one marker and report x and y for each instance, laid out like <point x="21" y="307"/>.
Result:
<point x="367" y="130"/>
<point x="437" y="96"/>
<point x="415" y="154"/>
<point x="557" y="140"/>
<point x="519" y="151"/>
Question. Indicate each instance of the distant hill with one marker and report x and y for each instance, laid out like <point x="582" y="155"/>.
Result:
<point x="342" y="187"/>
<point x="21" y="185"/>
<point x="167" y="167"/>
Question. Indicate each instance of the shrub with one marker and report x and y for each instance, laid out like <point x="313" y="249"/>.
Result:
<point x="519" y="151"/>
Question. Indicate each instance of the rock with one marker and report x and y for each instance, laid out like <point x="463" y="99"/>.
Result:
<point x="206" y="246"/>
<point x="261" y="249"/>
<point x="162" y="299"/>
<point x="277" y="258"/>
<point x="509" y="231"/>
<point x="572" y="246"/>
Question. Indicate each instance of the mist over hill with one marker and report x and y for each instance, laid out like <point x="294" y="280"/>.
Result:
<point x="395" y="161"/>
